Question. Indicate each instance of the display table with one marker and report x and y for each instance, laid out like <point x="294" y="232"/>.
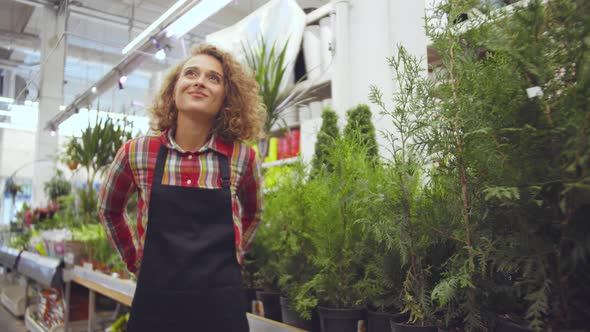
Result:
<point x="122" y="291"/>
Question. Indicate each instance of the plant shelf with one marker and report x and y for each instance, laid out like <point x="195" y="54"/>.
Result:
<point x="280" y="162"/>
<point x="32" y="325"/>
<point x="13" y="298"/>
<point x="44" y="270"/>
<point x="117" y="289"/>
<point x="8" y="257"/>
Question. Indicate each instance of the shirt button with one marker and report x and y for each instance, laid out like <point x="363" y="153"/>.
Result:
<point x="189" y="181"/>
<point x="190" y="156"/>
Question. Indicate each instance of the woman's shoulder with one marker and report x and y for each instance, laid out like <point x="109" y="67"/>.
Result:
<point x="144" y="143"/>
<point x="246" y="151"/>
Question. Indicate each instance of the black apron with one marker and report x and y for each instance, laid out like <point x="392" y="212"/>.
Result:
<point x="190" y="279"/>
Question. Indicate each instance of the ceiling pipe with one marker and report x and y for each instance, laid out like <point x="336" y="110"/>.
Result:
<point x="40" y="3"/>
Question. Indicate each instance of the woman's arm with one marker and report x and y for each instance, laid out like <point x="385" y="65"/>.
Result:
<point x="112" y="201"/>
<point x="250" y="196"/>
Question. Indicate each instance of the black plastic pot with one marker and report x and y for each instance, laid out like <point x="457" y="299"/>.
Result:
<point x="503" y="325"/>
<point x="271" y="304"/>
<point x="340" y="320"/>
<point x="292" y="317"/>
<point x="250" y="295"/>
<point x="378" y="321"/>
<point x="400" y="327"/>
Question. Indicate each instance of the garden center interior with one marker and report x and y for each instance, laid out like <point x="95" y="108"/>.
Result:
<point x="424" y="164"/>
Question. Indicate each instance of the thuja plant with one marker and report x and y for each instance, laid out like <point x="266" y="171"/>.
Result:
<point x="326" y="138"/>
<point x="359" y="123"/>
<point x="400" y="227"/>
<point x="335" y="201"/>
<point x="512" y="125"/>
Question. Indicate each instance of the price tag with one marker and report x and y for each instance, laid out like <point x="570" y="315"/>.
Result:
<point x="535" y="91"/>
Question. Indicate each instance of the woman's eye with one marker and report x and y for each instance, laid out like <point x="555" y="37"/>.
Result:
<point x="214" y="78"/>
<point x="190" y="73"/>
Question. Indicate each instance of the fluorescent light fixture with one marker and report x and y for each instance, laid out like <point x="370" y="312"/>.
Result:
<point x="7" y="100"/>
<point x="5" y="113"/>
<point x="161" y="55"/>
<point x="153" y="26"/>
<point x="28" y="103"/>
<point x="93" y="89"/>
<point x="195" y="16"/>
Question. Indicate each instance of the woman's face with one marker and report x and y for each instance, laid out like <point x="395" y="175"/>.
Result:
<point x="200" y="87"/>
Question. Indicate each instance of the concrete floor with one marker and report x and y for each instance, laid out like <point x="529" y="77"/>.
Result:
<point x="9" y="323"/>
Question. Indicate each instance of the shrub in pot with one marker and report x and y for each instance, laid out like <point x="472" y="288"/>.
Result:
<point x="335" y="203"/>
<point x="517" y="160"/>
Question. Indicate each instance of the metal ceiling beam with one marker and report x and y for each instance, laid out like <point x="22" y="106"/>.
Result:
<point x="19" y="40"/>
<point x="40" y="3"/>
<point x="130" y="62"/>
<point x="31" y="43"/>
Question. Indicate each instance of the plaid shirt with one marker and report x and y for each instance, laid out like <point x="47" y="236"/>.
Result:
<point x="133" y="170"/>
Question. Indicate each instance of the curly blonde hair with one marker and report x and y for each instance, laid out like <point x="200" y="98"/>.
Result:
<point x="242" y="115"/>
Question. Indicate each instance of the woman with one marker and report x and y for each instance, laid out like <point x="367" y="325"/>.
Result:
<point x="200" y="199"/>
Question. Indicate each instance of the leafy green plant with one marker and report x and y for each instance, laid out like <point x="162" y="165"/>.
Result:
<point x="359" y="123"/>
<point x="97" y="146"/>
<point x="518" y="164"/>
<point x="269" y="65"/>
<point x="335" y="202"/>
<point x="401" y="226"/>
<point x="327" y="137"/>
<point x="57" y="186"/>
<point x="94" y="150"/>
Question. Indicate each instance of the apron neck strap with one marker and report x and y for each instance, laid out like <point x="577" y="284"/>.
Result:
<point x="223" y="167"/>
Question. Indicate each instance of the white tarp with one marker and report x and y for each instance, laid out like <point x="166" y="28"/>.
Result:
<point x="276" y="21"/>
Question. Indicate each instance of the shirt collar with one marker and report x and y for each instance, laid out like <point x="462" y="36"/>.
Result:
<point x="214" y="143"/>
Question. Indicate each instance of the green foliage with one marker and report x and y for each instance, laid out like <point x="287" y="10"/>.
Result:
<point x="282" y="248"/>
<point x="359" y="125"/>
<point x="57" y="186"/>
<point x="336" y="201"/>
<point x="269" y="66"/>
<point x="327" y="137"/>
<point x="94" y="150"/>
<point x="519" y="163"/>
<point x="401" y="225"/>
<point x="98" y="145"/>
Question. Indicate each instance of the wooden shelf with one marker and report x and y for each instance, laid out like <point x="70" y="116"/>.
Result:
<point x="117" y="289"/>
<point x="122" y="291"/>
<point x="261" y="324"/>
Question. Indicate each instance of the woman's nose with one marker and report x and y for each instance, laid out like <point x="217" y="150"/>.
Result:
<point x="200" y="80"/>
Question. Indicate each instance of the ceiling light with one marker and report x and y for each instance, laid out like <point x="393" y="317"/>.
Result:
<point x="195" y="16"/>
<point x="122" y="81"/>
<point x="62" y="107"/>
<point x="93" y="89"/>
<point x="7" y="100"/>
<point x="153" y="26"/>
<point x="161" y="55"/>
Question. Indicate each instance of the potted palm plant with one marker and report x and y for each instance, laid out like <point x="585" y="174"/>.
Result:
<point x="269" y="66"/>
<point x="93" y="151"/>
